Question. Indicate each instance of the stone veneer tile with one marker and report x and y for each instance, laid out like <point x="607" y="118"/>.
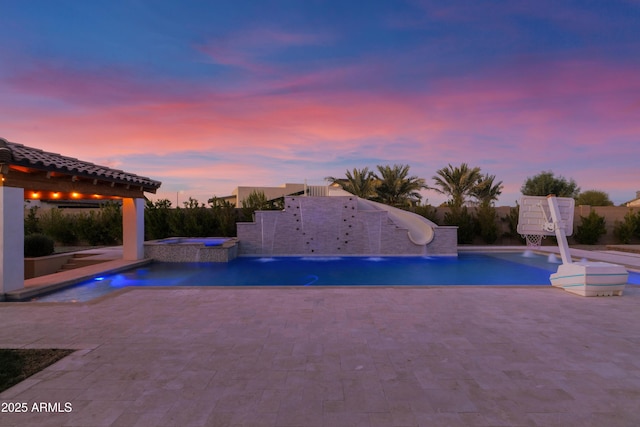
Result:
<point x="334" y="226"/>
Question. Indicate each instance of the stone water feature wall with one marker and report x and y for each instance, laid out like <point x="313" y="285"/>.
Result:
<point x="333" y="226"/>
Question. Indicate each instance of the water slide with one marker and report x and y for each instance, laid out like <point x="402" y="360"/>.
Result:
<point x="419" y="228"/>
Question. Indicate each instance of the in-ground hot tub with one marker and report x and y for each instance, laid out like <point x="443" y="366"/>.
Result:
<point x="192" y="249"/>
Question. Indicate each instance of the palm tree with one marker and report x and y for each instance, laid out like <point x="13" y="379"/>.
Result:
<point x="485" y="191"/>
<point x="360" y="183"/>
<point x="396" y="188"/>
<point x="456" y="182"/>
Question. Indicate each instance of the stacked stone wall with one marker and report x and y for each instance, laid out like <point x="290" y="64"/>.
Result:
<point x="332" y="226"/>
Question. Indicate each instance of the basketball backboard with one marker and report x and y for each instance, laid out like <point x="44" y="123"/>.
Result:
<point x="535" y="215"/>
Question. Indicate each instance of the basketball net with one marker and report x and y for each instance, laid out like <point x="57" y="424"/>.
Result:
<point x="533" y="240"/>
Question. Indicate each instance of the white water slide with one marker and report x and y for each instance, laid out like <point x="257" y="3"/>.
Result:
<point x="419" y="229"/>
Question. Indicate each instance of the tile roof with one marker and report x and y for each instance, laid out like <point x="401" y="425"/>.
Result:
<point x="21" y="155"/>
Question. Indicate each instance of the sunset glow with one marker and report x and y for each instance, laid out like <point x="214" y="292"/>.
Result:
<point x="206" y="98"/>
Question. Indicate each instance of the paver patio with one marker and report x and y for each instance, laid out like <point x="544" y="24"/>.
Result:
<point x="455" y="356"/>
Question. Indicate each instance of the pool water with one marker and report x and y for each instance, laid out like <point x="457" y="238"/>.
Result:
<point x="206" y="241"/>
<point x="466" y="269"/>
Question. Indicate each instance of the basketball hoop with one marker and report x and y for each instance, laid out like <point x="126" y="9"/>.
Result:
<point x="535" y="221"/>
<point x="533" y="240"/>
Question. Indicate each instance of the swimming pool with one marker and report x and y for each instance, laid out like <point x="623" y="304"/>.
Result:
<point x="206" y="241"/>
<point x="498" y="269"/>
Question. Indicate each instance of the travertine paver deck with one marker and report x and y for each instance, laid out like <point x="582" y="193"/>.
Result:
<point x="456" y="356"/>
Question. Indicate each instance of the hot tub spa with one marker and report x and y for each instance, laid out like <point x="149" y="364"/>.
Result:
<point x="192" y="249"/>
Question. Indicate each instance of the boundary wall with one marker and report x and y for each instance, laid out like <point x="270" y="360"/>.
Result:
<point x="611" y="214"/>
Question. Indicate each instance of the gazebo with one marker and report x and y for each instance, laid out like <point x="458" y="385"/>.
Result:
<point x="31" y="173"/>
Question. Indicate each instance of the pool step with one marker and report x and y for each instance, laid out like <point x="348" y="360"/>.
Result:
<point x="80" y="260"/>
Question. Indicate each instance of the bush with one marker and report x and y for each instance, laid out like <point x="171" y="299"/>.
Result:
<point x="157" y="219"/>
<point x="226" y="215"/>
<point x="487" y="226"/>
<point x="428" y="212"/>
<point x="465" y="221"/>
<point x="102" y="227"/>
<point x="512" y="223"/>
<point x="590" y="229"/>
<point x="36" y="245"/>
<point x="31" y="222"/>
<point x="255" y="201"/>
<point x="60" y="226"/>
<point x="625" y="230"/>
<point x="197" y="220"/>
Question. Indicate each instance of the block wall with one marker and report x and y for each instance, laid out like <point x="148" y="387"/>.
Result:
<point x="445" y="241"/>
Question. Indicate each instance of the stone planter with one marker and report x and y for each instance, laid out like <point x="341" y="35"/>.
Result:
<point x="41" y="266"/>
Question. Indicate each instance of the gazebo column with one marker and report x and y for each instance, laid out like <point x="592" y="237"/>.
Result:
<point x="132" y="229"/>
<point x="11" y="239"/>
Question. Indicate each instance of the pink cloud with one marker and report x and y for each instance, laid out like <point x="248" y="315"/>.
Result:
<point x="60" y="82"/>
<point x="536" y="102"/>
<point x="247" y="49"/>
<point x="543" y="113"/>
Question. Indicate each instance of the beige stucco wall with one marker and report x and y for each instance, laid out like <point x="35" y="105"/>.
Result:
<point x="41" y="266"/>
<point x="610" y="213"/>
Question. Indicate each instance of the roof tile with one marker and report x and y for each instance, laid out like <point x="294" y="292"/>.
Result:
<point x="36" y="158"/>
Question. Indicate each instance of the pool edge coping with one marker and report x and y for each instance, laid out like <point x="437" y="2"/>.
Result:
<point x="86" y="273"/>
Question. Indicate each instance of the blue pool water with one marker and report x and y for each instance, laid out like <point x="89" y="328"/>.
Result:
<point x="466" y="269"/>
<point x="207" y="241"/>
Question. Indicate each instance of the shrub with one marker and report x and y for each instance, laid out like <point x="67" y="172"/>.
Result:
<point x="111" y="221"/>
<point x="593" y="198"/>
<point x="464" y="220"/>
<point x="512" y="223"/>
<point x="59" y="226"/>
<point x="625" y="230"/>
<point x="31" y="222"/>
<point x="487" y="226"/>
<point x="590" y="229"/>
<point x="255" y="201"/>
<point x="198" y="221"/>
<point x="226" y="216"/>
<point x="428" y="212"/>
<point x="36" y="245"/>
<point x="103" y="227"/>
<point x="157" y="219"/>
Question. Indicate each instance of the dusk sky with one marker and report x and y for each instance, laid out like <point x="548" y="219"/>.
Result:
<point x="206" y="96"/>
